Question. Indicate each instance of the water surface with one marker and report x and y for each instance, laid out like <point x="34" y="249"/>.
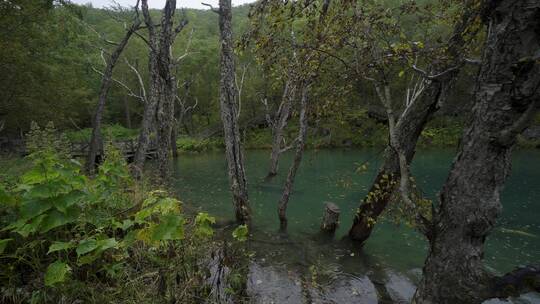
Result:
<point x="389" y="265"/>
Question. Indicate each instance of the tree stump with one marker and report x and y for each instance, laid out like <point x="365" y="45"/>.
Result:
<point x="330" y="220"/>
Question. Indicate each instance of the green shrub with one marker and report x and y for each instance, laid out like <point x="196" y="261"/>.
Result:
<point x="110" y="132"/>
<point x="65" y="235"/>
<point x="189" y="144"/>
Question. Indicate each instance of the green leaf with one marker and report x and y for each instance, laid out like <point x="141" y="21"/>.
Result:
<point x="33" y="208"/>
<point x="107" y="243"/>
<point x="171" y="227"/>
<point x="57" y="246"/>
<point x="5" y="198"/>
<point x="30" y="227"/>
<point x="56" y="273"/>
<point x="3" y="244"/>
<point x="56" y="218"/>
<point x="63" y="202"/>
<point x="401" y="73"/>
<point x="203" y="223"/>
<point x="240" y="233"/>
<point x="86" y="246"/>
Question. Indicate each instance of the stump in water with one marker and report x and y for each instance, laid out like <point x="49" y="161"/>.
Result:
<point x="330" y="220"/>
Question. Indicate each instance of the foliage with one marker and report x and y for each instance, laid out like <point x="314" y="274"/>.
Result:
<point x="61" y="230"/>
<point x="110" y="132"/>
<point x="189" y="144"/>
<point x="240" y="233"/>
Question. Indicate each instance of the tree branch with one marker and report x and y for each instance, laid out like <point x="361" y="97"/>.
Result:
<point x="213" y="9"/>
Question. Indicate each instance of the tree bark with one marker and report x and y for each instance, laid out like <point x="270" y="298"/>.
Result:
<point x="166" y="89"/>
<point x="279" y="124"/>
<point x="506" y="96"/>
<point x="229" y="116"/>
<point x="300" y="145"/>
<point x="96" y="142"/>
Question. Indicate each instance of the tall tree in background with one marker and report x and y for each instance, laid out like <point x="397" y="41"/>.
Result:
<point x="507" y="95"/>
<point x="96" y="140"/>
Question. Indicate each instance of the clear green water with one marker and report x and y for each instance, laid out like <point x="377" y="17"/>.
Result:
<point x="329" y="175"/>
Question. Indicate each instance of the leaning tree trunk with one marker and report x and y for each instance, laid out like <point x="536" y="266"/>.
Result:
<point x="280" y="123"/>
<point x="408" y="129"/>
<point x="506" y="97"/>
<point x="96" y="142"/>
<point x="229" y="116"/>
<point x="300" y="145"/>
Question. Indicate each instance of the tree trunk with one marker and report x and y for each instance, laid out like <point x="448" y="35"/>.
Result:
<point x="330" y="221"/>
<point x="96" y="142"/>
<point x="506" y="96"/>
<point x="300" y="145"/>
<point x="229" y="116"/>
<point x="280" y="122"/>
<point x="148" y="119"/>
<point x="408" y="130"/>
<point x="167" y="88"/>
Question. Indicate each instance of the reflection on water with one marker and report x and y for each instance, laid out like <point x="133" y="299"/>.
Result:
<point x="386" y="269"/>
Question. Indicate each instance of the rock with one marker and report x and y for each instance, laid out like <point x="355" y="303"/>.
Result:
<point x="400" y="288"/>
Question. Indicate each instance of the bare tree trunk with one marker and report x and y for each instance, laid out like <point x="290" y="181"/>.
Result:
<point x="279" y="124"/>
<point x="506" y="96"/>
<point x="300" y="145"/>
<point x="96" y="142"/>
<point x="229" y="116"/>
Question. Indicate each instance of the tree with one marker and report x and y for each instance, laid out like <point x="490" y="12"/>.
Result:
<point x="422" y="100"/>
<point x="163" y="86"/>
<point x="96" y="142"/>
<point x="228" y="100"/>
<point x="506" y="98"/>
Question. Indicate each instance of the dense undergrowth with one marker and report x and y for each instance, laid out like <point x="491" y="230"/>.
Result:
<point x="66" y="237"/>
<point x="354" y="130"/>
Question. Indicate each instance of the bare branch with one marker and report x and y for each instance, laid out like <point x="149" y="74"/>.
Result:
<point x="188" y="45"/>
<point x="130" y="92"/>
<point x="143" y="38"/>
<point x="432" y="77"/>
<point x="213" y="9"/>
<point x="473" y="61"/>
<point x="140" y="79"/>
<point x="239" y="87"/>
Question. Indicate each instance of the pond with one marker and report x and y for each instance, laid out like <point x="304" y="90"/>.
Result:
<point x="387" y="268"/>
